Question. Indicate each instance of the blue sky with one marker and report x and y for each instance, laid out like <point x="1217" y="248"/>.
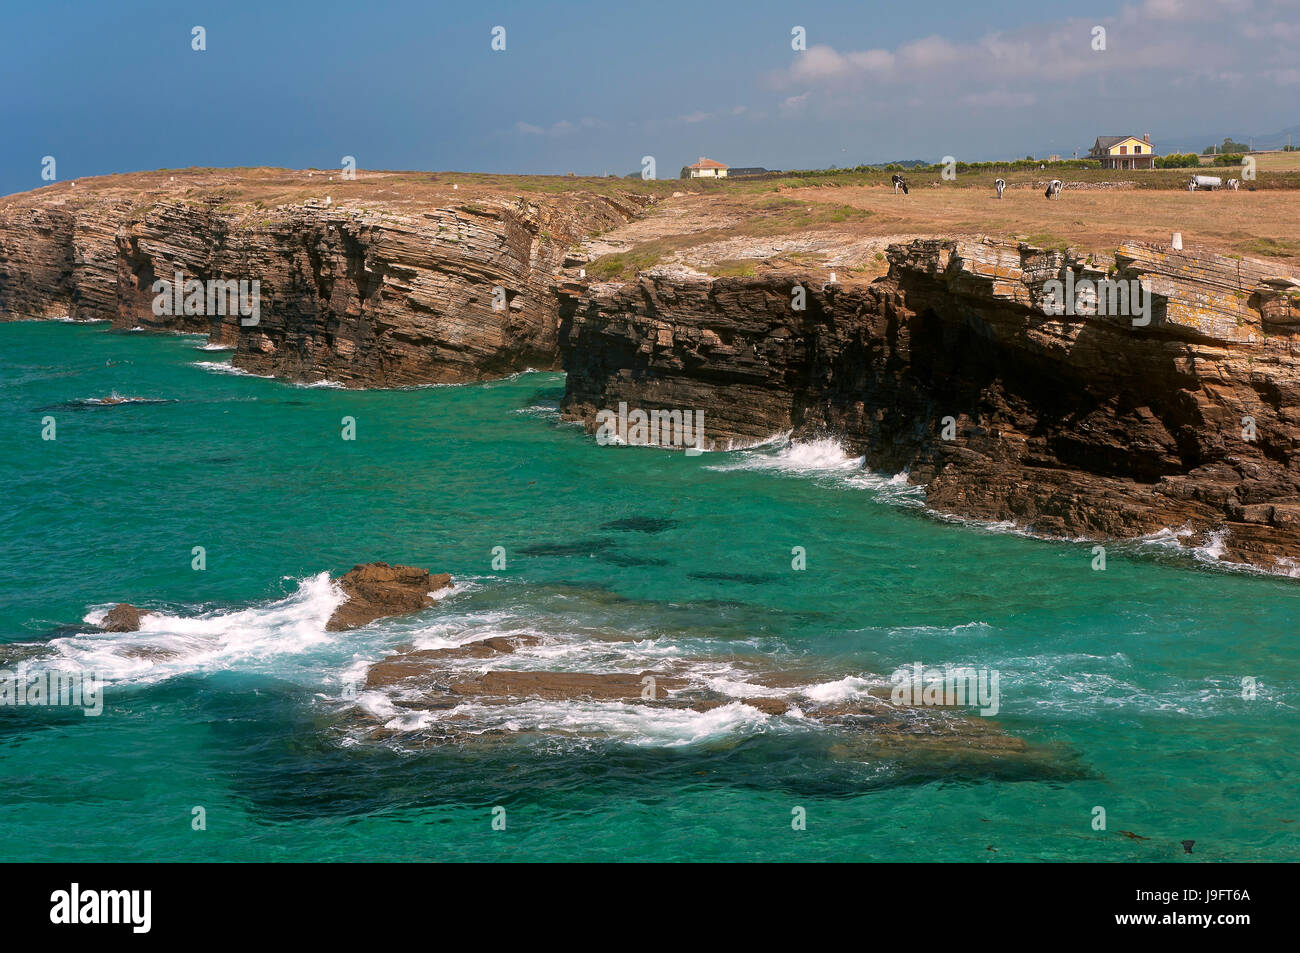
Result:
<point x="592" y="87"/>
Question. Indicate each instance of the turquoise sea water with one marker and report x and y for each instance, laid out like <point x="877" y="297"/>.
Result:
<point x="1128" y="680"/>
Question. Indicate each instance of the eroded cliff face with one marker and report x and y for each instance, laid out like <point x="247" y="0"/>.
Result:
<point x="1072" y="425"/>
<point x="949" y="368"/>
<point x="367" y="296"/>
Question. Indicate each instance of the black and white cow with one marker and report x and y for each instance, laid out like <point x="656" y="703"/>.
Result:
<point x="1000" y="185"/>
<point x="1054" y="188"/>
<point x="899" y="183"/>
<point x="1233" y="185"/>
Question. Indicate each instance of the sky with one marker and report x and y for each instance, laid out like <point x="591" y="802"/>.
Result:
<point x="593" y="87"/>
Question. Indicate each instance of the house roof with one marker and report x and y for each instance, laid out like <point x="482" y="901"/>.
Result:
<point x="708" y="164"/>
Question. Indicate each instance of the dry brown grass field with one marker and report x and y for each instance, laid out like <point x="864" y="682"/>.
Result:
<point x="1241" y="223"/>
<point x="1278" y="161"/>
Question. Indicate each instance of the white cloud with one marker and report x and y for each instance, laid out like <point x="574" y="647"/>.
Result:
<point x="1157" y="44"/>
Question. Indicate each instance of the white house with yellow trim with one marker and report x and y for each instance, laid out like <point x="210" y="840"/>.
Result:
<point x="1124" y="152"/>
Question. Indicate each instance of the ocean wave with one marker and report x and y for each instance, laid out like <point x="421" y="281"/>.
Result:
<point x="823" y="459"/>
<point x="544" y="411"/>
<point x="846" y="689"/>
<point x="498" y="381"/>
<point x="1081" y="685"/>
<point x="1210" y="550"/>
<point x="793" y="456"/>
<point x="116" y="400"/>
<point x="223" y="367"/>
<point x="168" y="645"/>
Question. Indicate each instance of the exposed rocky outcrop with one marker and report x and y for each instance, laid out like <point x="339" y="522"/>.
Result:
<point x="1071" y="425"/>
<point x="377" y="590"/>
<point x="459" y="695"/>
<point x="372" y="293"/>
<point x="123" y="617"/>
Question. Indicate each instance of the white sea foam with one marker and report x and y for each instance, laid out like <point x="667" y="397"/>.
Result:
<point x="497" y="381"/>
<point x="1210" y="550"/>
<point x="540" y="410"/>
<point x="631" y="724"/>
<point x="845" y="689"/>
<point x="729" y="682"/>
<point x="221" y="367"/>
<point x="168" y="645"/>
<point x="790" y="456"/>
<point x="823" y="459"/>
<point x="1095" y="687"/>
<point x="114" y="399"/>
<point x="1214" y="547"/>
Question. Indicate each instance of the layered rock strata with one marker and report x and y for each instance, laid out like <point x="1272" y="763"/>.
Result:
<point x="953" y="368"/>
<point x="369" y="297"/>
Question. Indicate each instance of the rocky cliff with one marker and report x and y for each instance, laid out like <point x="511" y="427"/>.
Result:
<point x="370" y="293"/>
<point x="952" y="369"/>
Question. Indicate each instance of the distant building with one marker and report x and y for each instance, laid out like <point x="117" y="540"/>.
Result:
<point x="707" y="169"/>
<point x="1124" y="152"/>
<point x="750" y="171"/>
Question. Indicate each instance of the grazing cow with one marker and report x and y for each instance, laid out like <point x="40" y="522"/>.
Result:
<point x="1000" y="185"/>
<point x="1054" y="188"/>
<point x="899" y="183"/>
<point x="1233" y="185"/>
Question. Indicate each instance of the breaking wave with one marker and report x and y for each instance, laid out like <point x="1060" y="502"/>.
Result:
<point x="825" y="460"/>
<point x="169" y="645"/>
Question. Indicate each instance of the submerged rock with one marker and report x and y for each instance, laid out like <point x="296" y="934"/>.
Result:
<point x="477" y="694"/>
<point x="377" y="590"/>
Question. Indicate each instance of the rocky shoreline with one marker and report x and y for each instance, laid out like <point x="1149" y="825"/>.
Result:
<point x="949" y="367"/>
<point x="384" y="293"/>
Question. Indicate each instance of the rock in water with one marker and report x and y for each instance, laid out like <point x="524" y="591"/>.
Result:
<point x="376" y="590"/>
<point x="123" y="617"/>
